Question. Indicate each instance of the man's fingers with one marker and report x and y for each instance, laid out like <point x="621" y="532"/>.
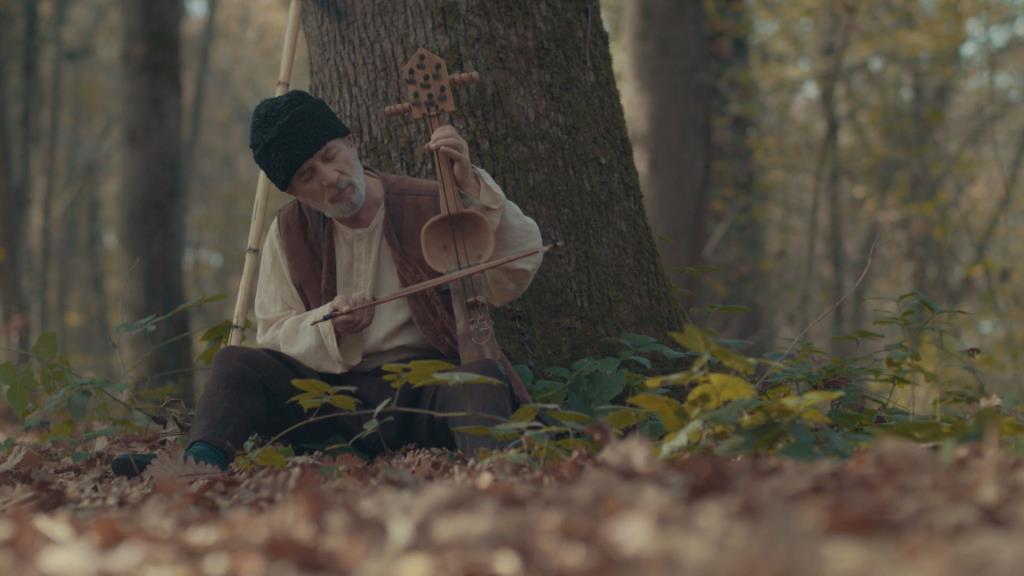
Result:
<point x="452" y="154"/>
<point x="451" y="142"/>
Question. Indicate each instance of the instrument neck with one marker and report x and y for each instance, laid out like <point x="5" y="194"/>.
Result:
<point x="446" y="178"/>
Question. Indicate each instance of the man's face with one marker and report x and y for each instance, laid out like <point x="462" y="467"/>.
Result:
<point x="332" y="181"/>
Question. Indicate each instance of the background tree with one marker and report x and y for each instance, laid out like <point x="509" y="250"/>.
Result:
<point x="545" y="121"/>
<point x="668" y="97"/>
<point x="153" y="200"/>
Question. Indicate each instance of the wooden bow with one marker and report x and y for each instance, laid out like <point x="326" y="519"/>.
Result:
<point x="439" y="281"/>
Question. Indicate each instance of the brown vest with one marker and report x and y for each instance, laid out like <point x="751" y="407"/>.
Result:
<point x="308" y="243"/>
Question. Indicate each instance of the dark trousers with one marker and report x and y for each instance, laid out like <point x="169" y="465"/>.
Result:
<point x="249" y="391"/>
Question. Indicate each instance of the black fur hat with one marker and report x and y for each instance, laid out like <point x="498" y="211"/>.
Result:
<point x="287" y="130"/>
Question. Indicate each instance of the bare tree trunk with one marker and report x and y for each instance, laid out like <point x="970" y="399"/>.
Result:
<point x="46" y="231"/>
<point x="99" y="318"/>
<point x="826" y="176"/>
<point x="11" y="298"/>
<point x="199" y="95"/>
<point x="14" y="266"/>
<point x="153" y="199"/>
<point x="545" y="121"/>
<point x="668" y="76"/>
<point x="736" y="244"/>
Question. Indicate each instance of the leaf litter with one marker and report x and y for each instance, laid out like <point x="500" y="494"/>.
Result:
<point x="895" y="508"/>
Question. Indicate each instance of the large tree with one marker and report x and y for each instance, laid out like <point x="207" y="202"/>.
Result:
<point x="545" y="121"/>
<point x="153" y="197"/>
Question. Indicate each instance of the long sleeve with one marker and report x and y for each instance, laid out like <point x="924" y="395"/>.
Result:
<point x="513" y="232"/>
<point x="282" y="322"/>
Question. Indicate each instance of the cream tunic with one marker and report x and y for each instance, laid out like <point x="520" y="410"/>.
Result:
<point x="365" y="267"/>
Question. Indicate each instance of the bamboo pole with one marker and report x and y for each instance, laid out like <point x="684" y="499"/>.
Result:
<point x="252" y="250"/>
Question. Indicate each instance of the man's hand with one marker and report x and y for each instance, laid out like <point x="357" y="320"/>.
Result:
<point x="355" y="322"/>
<point x="447" y="142"/>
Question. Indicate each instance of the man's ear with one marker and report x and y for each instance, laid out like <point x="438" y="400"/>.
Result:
<point x="350" y="139"/>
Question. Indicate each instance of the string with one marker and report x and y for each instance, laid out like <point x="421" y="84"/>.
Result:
<point x="450" y="206"/>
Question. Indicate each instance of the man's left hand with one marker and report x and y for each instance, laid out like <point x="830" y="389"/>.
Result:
<point x="449" y="144"/>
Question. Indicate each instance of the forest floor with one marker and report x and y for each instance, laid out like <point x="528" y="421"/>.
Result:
<point x="896" y="508"/>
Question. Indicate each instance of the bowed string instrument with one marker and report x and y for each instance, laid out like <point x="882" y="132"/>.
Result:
<point x="457" y="243"/>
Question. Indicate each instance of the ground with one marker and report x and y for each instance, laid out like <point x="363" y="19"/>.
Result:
<point x="897" y="508"/>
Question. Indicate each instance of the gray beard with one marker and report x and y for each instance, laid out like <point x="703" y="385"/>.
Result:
<point x="349" y="208"/>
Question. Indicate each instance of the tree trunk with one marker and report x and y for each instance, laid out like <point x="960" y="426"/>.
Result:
<point x="545" y="120"/>
<point x="153" y="199"/>
<point x="14" y="197"/>
<point x="736" y="244"/>
<point x="668" y="78"/>
<point x="46" y="231"/>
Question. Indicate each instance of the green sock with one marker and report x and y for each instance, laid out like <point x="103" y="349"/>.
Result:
<point x="208" y="454"/>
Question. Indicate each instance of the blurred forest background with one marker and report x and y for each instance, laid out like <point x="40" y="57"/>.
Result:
<point x="778" y="143"/>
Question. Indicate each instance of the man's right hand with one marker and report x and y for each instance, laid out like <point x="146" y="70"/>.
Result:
<point x="355" y="322"/>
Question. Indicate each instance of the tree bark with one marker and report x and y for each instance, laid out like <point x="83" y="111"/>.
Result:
<point x="545" y="120"/>
<point x="153" y="200"/>
<point x="669" y="86"/>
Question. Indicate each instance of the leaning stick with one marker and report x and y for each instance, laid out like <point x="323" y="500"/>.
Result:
<point x="252" y="250"/>
<point x="435" y="282"/>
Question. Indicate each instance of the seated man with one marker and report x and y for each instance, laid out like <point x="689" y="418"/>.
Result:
<point x="350" y="235"/>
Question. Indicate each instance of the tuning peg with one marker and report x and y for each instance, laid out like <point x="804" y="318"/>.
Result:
<point x="464" y="78"/>
<point x="398" y="109"/>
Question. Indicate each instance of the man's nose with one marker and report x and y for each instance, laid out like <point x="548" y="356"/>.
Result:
<point x="326" y="176"/>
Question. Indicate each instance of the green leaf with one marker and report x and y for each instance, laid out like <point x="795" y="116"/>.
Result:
<point x="524" y="374"/>
<point x="78" y="404"/>
<point x="640" y="360"/>
<point x="20" y="385"/>
<point x="134" y="327"/>
<point x="45" y="346"/>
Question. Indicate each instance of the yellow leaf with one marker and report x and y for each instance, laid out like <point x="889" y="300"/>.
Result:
<point x="733" y="360"/>
<point x="814" y="417"/>
<point x="270" y="456"/>
<point x="669" y="410"/>
<point x="312" y="385"/>
<point x="677" y="379"/>
<point x="525" y="413"/>
<point x="719" y="390"/>
<point x="692" y="338"/>
<point x="344" y="402"/>
<point x="622" y="418"/>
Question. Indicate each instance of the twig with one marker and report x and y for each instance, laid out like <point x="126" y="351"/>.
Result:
<point x="825" y="314"/>
<point x="293" y="427"/>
